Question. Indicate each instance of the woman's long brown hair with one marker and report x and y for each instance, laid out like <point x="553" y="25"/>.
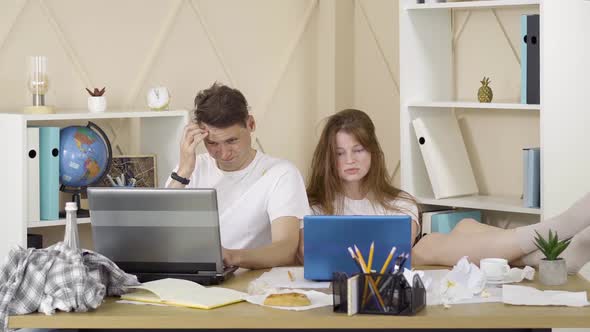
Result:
<point x="325" y="189"/>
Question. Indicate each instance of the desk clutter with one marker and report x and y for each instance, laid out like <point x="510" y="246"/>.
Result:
<point x="57" y="278"/>
<point x="392" y="294"/>
<point x="288" y="283"/>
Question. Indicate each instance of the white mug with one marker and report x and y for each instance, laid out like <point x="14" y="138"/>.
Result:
<point x="494" y="268"/>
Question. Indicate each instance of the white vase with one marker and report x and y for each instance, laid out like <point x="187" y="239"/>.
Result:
<point x="97" y="104"/>
<point x="553" y="273"/>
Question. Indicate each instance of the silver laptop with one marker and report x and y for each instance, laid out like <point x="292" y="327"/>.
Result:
<point x="159" y="233"/>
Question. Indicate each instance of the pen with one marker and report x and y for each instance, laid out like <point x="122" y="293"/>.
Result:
<point x="291" y="277"/>
<point x="398" y="260"/>
<point x="403" y="261"/>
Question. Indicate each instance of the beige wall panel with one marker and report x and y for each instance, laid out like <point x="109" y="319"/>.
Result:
<point x="287" y="129"/>
<point x="186" y="63"/>
<point x="8" y="15"/>
<point x="375" y="89"/>
<point x="253" y="37"/>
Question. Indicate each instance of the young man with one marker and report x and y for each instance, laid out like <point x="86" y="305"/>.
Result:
<point x="260" y="198"/>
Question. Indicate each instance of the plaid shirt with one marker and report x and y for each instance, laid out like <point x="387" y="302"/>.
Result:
<point x="57" y="278"/>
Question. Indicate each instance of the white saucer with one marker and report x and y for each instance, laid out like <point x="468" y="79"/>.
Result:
<point x="498" y="282"/>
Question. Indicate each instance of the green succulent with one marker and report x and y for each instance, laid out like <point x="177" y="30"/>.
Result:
<point x="551" y="247"/>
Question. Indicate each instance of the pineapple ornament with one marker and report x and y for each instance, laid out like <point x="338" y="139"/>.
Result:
<point x="485" y="94"/>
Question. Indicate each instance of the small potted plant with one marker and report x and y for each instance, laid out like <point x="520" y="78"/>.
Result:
<point x="552" y="268"/>
<point x="97" y="102"/>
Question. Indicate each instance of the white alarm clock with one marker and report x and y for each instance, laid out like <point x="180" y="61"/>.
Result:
<point x="158" y="98"/>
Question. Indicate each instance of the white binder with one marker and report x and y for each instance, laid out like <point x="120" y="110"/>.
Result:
<point x="32" y="152"/>
<point x="445" y="156"/>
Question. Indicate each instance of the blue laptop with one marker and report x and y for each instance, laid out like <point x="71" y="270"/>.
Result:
<point x="327" y="239"/>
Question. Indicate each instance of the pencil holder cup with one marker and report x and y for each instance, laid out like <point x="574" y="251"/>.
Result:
<point x="383" y="294"/>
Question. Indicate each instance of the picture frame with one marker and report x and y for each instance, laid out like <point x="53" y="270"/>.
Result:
<point x="132" y="171"/>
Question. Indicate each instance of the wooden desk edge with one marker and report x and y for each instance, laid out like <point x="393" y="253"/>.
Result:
<point x="244" y="315"/>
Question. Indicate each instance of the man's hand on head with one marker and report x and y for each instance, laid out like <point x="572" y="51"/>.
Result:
<point x="193" y="135"/>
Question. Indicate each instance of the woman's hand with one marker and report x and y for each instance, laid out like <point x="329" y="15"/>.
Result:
<point x="192" y="136"/>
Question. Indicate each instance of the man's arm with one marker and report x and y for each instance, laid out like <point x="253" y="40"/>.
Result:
<point x="282" y="250"/>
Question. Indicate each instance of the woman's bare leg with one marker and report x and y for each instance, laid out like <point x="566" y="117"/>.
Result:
<point x="469" y="238"/>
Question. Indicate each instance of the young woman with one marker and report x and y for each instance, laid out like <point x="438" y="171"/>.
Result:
<point x="348" y="176"/>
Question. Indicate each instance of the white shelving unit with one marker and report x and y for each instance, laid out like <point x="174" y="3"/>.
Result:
<point x="474" y="105"/>
<point x="426" y="61"/>
<point x="485" y="4"/>
<point x="152" y="132"/>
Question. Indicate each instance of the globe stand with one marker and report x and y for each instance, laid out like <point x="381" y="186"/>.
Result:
<point x="76" y="197"/>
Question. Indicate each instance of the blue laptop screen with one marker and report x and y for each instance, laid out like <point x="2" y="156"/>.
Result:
<point x="327" y="238"/>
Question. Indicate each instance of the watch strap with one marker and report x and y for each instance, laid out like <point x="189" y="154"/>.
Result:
<point x="179" y="178"/>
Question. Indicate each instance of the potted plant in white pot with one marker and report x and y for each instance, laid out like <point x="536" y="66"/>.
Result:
<point x="97" y="102"/>
<point x="552" y="268"/>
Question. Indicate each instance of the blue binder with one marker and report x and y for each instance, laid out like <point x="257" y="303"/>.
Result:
<point x="533" y="61"/>
<point x="445" y="222"/>
<point x="532" y="177"/>
<point x="523" y="56"/>
<point x="49" y="172"/>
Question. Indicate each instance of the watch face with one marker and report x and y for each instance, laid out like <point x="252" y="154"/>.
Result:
<point x="158" y="98"/>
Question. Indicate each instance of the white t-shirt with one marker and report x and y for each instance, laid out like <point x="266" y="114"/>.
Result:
<point x="250" y="199"/>
<point x="364" y="207"/>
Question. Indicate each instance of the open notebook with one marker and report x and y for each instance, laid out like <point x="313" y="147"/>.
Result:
<point x="183" y="293"/>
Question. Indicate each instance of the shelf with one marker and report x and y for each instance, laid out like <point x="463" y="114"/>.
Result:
<point x="484" y="4"/>
<point x="493" y="203"/>
<point x="476" y="105"/>
<point x="60" y="222"/>
<point x="105" y="115"/>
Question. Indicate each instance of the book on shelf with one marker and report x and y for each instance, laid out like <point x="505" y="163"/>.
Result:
<point x="183" y="293"/>
<point x="533" y="60"/>
<point x="531" y="159"/>
<point x="49" y="173"/>
<point x="445" y="156"/>
<point x="523" y="55"/>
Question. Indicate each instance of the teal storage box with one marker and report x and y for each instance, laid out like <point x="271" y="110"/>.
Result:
<point x="445" y="222"/>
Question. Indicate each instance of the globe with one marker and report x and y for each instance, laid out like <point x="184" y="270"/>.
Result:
<point x="84" y="156"/>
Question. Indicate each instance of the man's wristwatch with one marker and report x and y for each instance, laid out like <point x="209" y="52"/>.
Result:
<point x="179" y="178"/>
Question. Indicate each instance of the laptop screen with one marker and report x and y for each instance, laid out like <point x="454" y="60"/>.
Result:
<point x="157" y="230"/>
<point x="327" y="239"/>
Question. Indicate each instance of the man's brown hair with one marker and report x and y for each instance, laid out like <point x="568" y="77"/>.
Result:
<point x="220" y="106"/>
